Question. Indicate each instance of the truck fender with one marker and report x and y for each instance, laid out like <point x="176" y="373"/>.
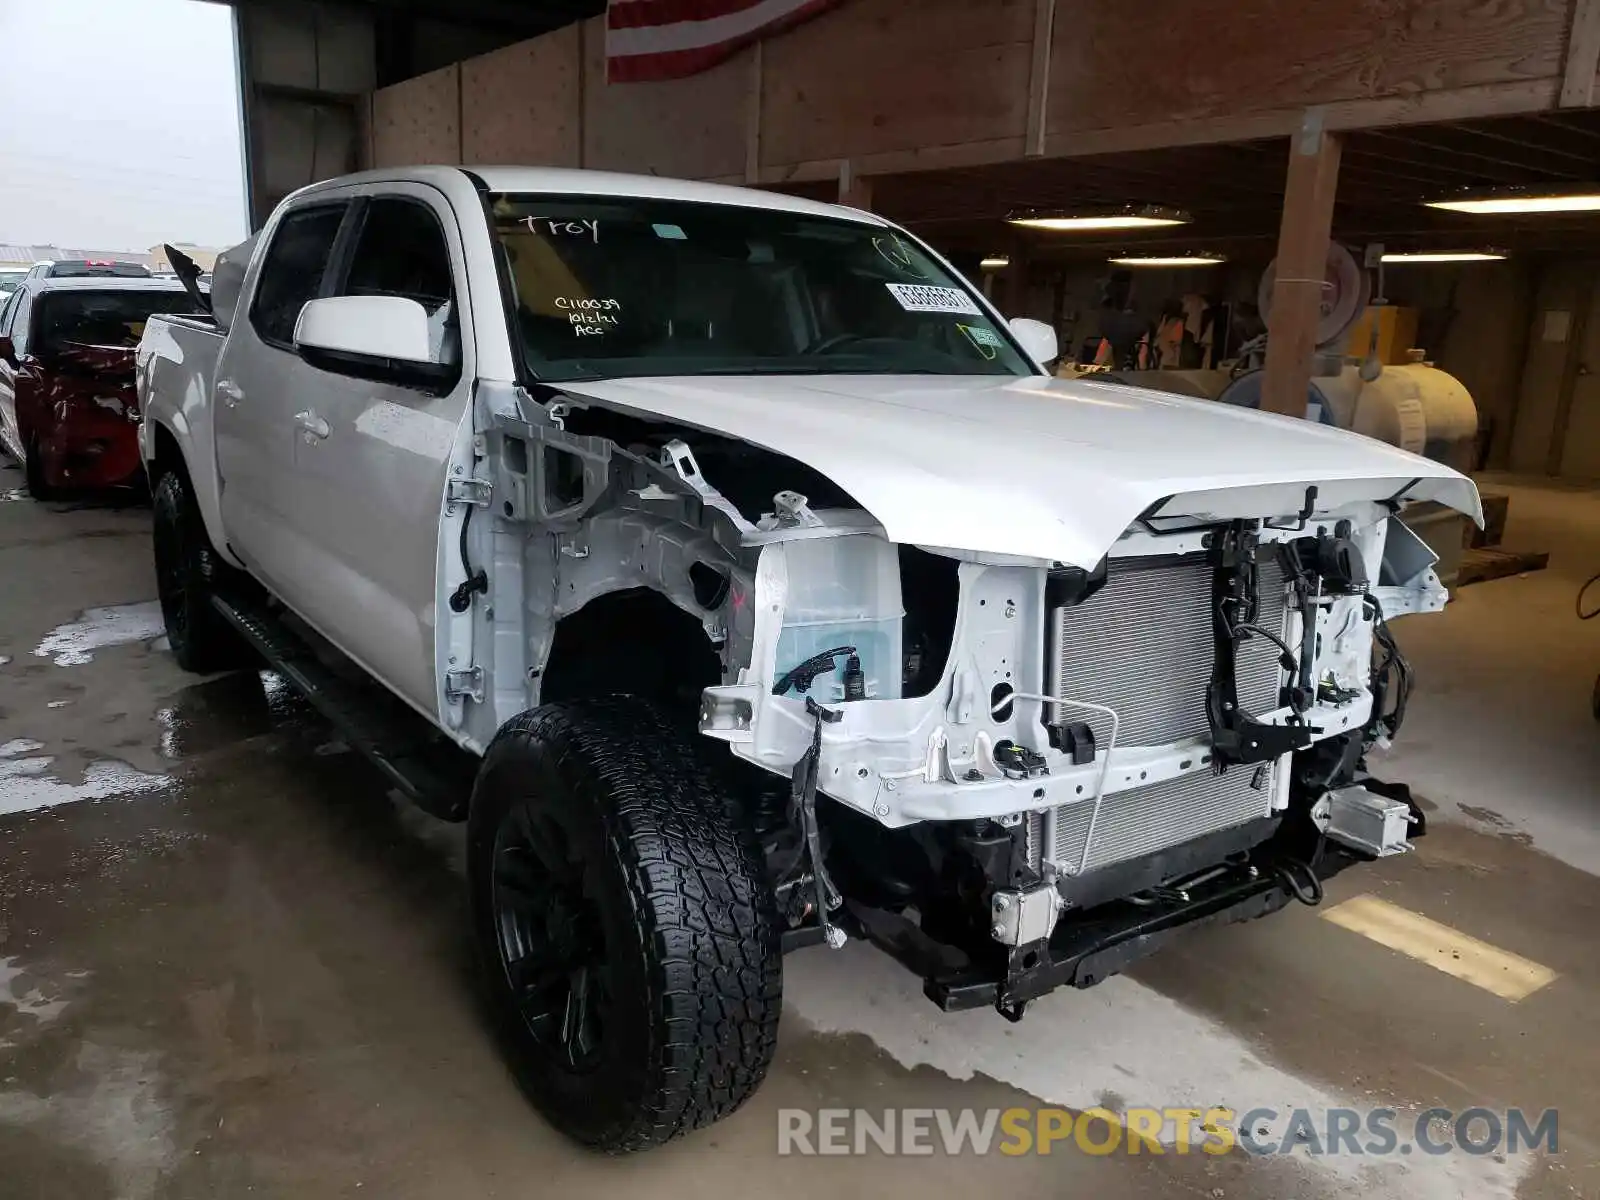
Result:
<point x="167" y="443"/>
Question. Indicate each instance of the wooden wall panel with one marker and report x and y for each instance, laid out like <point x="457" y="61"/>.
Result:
<point x="694" y="128"/>
<point x="418" y="121"/>
<point x="1485" y="310"/>
<point x="875" y="76"/>
<point x="896" y="87"/>
<point x="1118" y="64"/>
<point x="520" y="105"/>
<point x="364" y="134"/>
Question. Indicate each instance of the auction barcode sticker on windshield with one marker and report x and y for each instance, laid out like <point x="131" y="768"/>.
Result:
<point x="922" y="297"/>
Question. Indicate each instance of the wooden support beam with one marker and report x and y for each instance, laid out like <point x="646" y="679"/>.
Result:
<point x="1013" y="299"/>
<point x="752" y="120"/>
<point x="1583" y="56"/>
<point x="1454" y="104"/>
<point x="1044" y="23"/>
<point x="1301" y="266"/>
<point x="854" y="190"/>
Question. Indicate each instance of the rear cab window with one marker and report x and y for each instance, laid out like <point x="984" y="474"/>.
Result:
<point x="21" y="320"/>
<point x="8" y="309"/>
<point x="116" y="318"/>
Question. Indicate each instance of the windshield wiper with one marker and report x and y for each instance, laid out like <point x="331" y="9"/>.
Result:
<point x="657" y="369"/>
<point x="761" y="369"/>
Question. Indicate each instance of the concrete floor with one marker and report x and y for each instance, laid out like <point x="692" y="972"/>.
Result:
<point x="230" y="965"/>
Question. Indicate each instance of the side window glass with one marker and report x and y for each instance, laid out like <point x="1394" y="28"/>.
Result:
<point x="401" y="251"/>
<point x="6" y="311"/>
<point x="20" y="320"/>
<point x="293" y="269"/>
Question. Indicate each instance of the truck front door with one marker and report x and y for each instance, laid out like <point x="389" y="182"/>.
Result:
<point x="371" y="456"/>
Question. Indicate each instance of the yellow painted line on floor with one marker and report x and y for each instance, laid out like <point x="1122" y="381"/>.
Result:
<point x="1507" y="975"/>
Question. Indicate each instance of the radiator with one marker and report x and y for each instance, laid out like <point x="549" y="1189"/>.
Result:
<point x="1144" y="820"/>
<point x="1143" y="646"/>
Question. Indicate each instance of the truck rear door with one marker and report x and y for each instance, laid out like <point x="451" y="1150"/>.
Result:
<point x="260" y="381"/>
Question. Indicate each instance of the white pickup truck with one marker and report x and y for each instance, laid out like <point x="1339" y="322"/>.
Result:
<point x="785" y="597"/>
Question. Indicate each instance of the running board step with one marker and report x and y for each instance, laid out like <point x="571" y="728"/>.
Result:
<point x="398" y="742"/>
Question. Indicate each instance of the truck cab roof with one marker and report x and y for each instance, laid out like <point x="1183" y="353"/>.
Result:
<point x="579" y="182"/>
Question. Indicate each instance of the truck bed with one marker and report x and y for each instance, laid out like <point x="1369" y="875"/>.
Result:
<point x="176" y="367"/>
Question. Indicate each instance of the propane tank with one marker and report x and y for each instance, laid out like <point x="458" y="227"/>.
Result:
<point x="1414" y="406"/>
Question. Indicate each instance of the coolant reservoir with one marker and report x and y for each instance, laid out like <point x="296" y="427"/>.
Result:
<point x="843" y="591"/>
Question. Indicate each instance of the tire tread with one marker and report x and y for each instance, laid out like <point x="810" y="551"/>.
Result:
<point x="698" y="894"/>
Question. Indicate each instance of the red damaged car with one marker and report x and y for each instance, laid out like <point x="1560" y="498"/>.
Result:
<point x="68" y="411"/>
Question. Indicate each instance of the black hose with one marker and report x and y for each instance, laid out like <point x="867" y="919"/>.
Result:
<point x="1392" y="660"/>
<point x="1584" y="591"/>
<point x="461" y="598"/>
<point x="1309" y="892"/>
<point x="1290" y="660"/>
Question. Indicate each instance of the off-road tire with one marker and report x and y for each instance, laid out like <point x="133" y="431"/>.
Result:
<point x="691" y="961"/>
<point x="188" y="572"/>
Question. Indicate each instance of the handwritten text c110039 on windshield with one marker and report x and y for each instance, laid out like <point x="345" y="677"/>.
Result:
<point x="589" y="316"/>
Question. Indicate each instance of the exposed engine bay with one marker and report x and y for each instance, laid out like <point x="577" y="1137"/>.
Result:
<point x="1010" y="773"/>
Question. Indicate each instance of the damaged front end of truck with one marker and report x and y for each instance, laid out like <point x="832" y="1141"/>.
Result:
<point x="1174" y="736"/>
<point x="1010" y="771"/>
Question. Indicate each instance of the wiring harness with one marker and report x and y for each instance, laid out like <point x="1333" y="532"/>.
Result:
<point x="1392" y="671"/>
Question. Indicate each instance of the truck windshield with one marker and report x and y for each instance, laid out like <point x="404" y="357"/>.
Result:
<point x="608" y="286"/>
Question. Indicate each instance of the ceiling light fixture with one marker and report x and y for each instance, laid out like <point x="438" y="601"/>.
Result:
<point x="995" y="262"/>
<point x="1572" y="198"/>
<point x="1444" y="256"/>
<point x="1124" y="216"/>
<point x="1168" y="260"/>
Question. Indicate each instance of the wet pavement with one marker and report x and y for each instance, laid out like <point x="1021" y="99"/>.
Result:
<point x="231" y="964"/>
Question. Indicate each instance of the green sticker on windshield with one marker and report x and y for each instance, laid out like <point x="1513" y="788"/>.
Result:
<point x="986" y="340"/>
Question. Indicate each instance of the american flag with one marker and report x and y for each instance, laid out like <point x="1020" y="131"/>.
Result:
<point x="668" y="39"/>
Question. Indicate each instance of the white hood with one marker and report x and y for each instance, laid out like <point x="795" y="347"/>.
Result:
<point x="1046" y="468"/>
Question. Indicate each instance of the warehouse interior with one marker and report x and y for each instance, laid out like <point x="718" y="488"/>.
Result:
<point x="310" y="1031"/>
<point x="1475" y="319"/>
<point x="335" y="87"/>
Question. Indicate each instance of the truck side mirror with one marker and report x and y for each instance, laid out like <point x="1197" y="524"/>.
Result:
<point x="373" y="337"/>
<point x="1037" y="338"/>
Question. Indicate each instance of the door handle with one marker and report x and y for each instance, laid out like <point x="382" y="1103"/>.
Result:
<point x="230" y="392"/>
<point x="313" y="425"/>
